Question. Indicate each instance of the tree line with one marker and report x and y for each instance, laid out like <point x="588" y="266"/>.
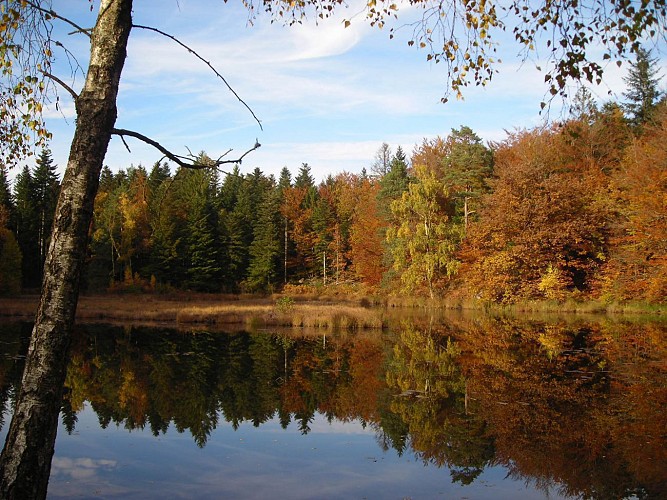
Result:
<point x="575" y="209"/>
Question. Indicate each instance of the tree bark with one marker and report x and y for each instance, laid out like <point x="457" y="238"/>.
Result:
<point x="26" y="458"/>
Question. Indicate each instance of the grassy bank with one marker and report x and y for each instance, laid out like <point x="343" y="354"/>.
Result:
<point x="189" y="309"/>
<point x="300" y="311"/>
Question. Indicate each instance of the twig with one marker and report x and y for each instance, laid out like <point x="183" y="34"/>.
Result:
<point x="52" y="13"/>
<point x="181" y="161"/>
<point x="194" y="53"/>
<point x="61" y="83"/>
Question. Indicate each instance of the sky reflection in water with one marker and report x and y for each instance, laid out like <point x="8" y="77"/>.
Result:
<point x="477" y="409"/>
<point x="334" y="460"/>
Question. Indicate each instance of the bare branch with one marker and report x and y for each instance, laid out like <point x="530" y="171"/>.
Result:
<point x="62" y="84"/>
<point x="194" y="53"/>
<point x="181" y="161"/>
<point x="52" y="13"/>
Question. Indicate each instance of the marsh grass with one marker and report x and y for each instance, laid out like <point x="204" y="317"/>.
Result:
<point x="302" y="311"/>
<point x="252" y="312"/>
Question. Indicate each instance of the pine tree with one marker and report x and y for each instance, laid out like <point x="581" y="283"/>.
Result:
<point x="465" y="169"/>
<point x="643" y="92"/>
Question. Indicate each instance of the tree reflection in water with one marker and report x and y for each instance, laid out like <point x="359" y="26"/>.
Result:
<point x="577" y="406"/>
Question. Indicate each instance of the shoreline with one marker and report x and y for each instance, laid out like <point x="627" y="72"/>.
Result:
<point x="192" y="309"/>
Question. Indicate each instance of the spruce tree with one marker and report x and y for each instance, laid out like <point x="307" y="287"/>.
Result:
<point x="204" y="272"/>
<point x="199" y="230"/>
<point x="6" y="200"/>
<point x="25" y="224"/>
<point x="306" y="181"/>
<point x="158" y="176"/>
<point x="643" y="92"/>
<point x="395" y="182"/>
<point x="46" y="188"/>
<point x="305" y="178"/>
<point x="285" y="180"/>
<point x="241" y="221"/>
<point x="107" y="182"/>
<point x="266" y="248"/>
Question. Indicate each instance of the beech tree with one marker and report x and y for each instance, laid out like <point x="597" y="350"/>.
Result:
<point x="459" y="33"/>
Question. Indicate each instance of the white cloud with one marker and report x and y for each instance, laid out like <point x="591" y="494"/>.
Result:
<point x="80" y="468"/>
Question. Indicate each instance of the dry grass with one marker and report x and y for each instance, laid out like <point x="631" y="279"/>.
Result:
<point x="210" y="310"/>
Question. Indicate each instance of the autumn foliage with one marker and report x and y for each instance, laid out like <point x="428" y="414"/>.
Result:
<point x="576" y="210"/>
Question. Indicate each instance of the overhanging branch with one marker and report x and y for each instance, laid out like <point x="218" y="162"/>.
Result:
<point x="52" y="13"/>
<point x="182" y="161"/>
<point x="194" y="53"/>
<point x="62" y="84"/>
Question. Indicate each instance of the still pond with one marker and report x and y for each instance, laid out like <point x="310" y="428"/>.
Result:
<point x="475" y="408"/>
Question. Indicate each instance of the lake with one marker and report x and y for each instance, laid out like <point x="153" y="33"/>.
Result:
<point x="458" y="407"/>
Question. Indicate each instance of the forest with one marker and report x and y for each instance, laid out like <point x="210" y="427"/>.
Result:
<point x="576" y="209"/>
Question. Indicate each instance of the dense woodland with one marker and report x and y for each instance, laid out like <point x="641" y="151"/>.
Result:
<point x="576" y="209"/>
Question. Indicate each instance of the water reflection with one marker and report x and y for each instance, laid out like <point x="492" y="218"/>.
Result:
<point x="580" y="407"/>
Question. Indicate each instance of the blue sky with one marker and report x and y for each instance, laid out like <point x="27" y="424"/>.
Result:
<point x="325" y="94"/>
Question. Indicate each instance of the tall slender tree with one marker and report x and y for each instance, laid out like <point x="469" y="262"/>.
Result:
<point x="6" y="199"/>
<point x="46" y="187"/>
<point x="25" y="224"/>
<point x="266" y="247"/>
<point x="466" y="167"/>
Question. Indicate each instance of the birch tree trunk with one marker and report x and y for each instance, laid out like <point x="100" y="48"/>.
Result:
<point x="26" y="458"/>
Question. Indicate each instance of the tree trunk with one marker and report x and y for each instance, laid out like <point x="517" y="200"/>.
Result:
<point x="26" y="458"/>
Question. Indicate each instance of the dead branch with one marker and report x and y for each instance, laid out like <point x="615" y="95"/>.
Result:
<point x="194" y="53"/>
<point x="182" y="161"/>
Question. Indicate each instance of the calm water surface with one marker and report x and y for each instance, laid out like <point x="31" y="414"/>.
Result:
<point x="461" y="408"/>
